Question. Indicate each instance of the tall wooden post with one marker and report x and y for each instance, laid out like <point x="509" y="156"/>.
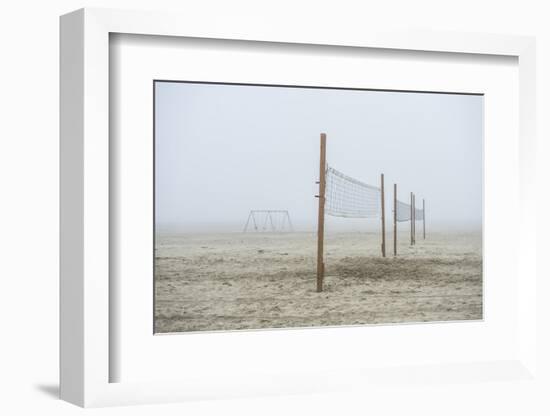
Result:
<point x="395" y="219"/>
<point x="424" y="218"/>
<point x="321" y="218"/>
<point x="412" y="219"/>
<point x="383" y="201"/>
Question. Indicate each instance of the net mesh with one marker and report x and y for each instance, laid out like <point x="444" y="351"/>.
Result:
<point x="347" y="197"/>
<point x="418" y="214"/>
<point x="403" y="212"/>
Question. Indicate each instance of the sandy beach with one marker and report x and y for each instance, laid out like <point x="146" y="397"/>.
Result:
<point x="210" y="282"/>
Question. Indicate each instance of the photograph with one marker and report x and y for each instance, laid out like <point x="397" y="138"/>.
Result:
<point x="285" y="206"/>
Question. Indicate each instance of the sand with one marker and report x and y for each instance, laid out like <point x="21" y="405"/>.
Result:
<point x="210" y="282"/>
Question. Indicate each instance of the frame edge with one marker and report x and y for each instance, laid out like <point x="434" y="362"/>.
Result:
<point x="71" y="202"/>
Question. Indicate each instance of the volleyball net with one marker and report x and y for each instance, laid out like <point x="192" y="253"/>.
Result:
<point x="350" y="198"/>
<point x="403" y="211"/>
<point x="418" y="214"/>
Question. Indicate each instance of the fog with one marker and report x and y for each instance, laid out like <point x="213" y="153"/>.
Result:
<point x="222" y="150"/>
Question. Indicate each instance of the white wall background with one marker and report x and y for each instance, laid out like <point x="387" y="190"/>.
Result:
<point x="29" y="209"/>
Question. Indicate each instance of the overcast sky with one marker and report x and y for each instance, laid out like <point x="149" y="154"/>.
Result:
<point x="222" y="150"/>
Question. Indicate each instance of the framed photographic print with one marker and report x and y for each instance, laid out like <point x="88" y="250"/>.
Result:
<point x="223" y="150"/>
<point x="262" y="213"/>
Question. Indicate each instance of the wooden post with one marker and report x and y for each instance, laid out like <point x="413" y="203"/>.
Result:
<point x="412" y="221"/>
<point x="395" y="219"/>
<point x="424" y="218"/>
<point x="321" y="218"/>
<point x="383" y="200"/>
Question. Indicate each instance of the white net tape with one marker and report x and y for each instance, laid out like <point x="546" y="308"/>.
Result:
<point x="403" y="212"/>
<point x="350" y="198"/>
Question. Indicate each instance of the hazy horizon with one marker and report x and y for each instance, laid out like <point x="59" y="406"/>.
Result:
<point x="223" y="150"/>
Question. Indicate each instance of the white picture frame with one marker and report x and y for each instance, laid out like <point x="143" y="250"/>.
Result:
<point x="85" y="165"/>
